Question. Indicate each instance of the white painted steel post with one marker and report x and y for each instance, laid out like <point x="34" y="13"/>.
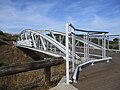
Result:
<point x="25" y="35"/>
<point x="48" y="45"/>
<point x="108" y="42"/>
<point x="84" y="47"/>
<point x="99" y="41"/>
<point x="60" y="39"/>
<point x="73" y="51"/>
<point x="21" y="37"/>
<point x="90" y="39"/>
<point x="88" y="46"/>
<point x="53" y="35"/>
<point x="104" y="46"/>
<point x="33" y="40"/>
<point x="42" y="43"/>
<point x="67" y="54"/>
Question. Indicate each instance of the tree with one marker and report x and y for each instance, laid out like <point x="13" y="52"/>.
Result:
<point x="115" y="39"/>
<point x="1" y="32"/>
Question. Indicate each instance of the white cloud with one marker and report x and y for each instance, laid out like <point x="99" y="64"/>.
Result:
<point x="110" y="25"/>
<point x="84" y="14"/>
<point x="96" y="15"/>
<point x="97" y="22"/>
<point x="34" y="15"/>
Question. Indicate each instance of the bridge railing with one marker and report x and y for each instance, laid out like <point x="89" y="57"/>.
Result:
<point x="64" y="44"/>
<point x="86" y="59"/>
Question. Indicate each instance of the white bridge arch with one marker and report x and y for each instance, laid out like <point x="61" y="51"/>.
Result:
<point x="46" y="41"/>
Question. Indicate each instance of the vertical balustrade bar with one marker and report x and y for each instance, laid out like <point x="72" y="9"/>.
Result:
<point x="67" y="55"/>
<point x="73" y="51"/>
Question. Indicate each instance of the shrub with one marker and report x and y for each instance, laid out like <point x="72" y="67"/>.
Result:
<point x="3" y="64"/>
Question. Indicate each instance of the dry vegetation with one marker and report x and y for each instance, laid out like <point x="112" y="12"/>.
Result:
<point x="32" y="80"/>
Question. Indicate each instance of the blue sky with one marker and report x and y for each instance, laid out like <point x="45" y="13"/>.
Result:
<point x="17" y="15"/>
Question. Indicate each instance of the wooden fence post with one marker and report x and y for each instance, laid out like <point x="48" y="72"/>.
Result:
<point x="47" y="71"/>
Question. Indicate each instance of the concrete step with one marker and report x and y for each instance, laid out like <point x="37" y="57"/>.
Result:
<point x="63" y="86"/>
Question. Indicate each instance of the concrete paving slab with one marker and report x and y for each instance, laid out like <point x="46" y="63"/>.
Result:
<point x="64" y="87"/>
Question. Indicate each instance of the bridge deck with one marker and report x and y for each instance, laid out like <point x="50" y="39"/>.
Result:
<point x="101" y="76"/>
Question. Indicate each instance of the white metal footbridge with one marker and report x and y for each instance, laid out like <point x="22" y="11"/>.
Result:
<point x="59" y="44"/>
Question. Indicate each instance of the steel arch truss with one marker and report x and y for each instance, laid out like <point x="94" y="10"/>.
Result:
<point x="46" y="41"/>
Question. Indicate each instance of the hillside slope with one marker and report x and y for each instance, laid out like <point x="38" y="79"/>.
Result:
<point x="11" y="55"/>
<point x="32" y="80"/>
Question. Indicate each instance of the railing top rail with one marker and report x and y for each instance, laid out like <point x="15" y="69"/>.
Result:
<point x="95" y="32"/>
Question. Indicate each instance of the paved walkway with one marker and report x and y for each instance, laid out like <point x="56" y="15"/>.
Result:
<point x="101" y="76"/>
